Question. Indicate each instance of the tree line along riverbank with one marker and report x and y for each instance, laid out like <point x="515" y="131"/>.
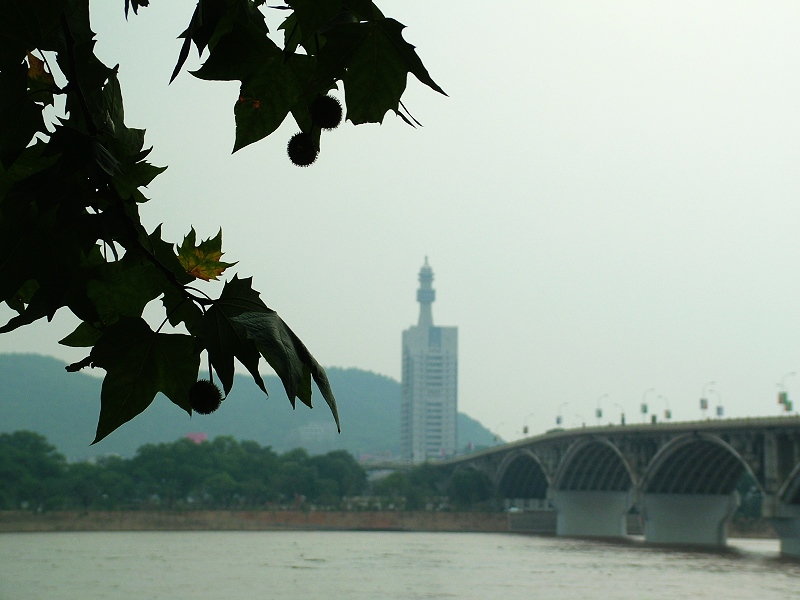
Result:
<point x="221" y="474"/>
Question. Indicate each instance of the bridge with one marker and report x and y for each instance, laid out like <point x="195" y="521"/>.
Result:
<point x="681" y="478"/>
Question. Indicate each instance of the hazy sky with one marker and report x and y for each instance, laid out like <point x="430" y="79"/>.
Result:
<point x="609" y="199"/>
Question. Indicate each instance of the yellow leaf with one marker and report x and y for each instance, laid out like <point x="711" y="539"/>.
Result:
<point x="202" y="261"/>
<point x="40" y="83"/>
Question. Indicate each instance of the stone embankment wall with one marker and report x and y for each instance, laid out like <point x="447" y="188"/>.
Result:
<point x="536" y="522"/>
<point x="23" y="521"/>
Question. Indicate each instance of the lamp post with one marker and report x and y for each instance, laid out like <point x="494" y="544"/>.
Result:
<point x="704" y="399"/>
<point x="720" y="409"/>
<point x="621" y="413"/>
<point x="644" y="407"/>
<point x="559" y="419"/>
<point x="783" y="395"/>
<point x="525" y="424"/>
<point x="598" y="412"/>
<point x="667" y="411"/>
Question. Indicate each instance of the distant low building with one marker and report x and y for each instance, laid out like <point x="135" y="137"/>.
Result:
<point x="429" y="402"/>
<point x="197" y="438"/>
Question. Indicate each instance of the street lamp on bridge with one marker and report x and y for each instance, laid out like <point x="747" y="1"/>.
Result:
<point x="783" y="395"/>
<point x="621" y="413"/>
<point x="667" y="411"/>
<point x="644" y="406"/>
<point x="525" y="424"/>
<point x="599" y="410"/>
<point x="559" y="419"/>
<point x="703" y="398"/>
<point x="720" y="409"/>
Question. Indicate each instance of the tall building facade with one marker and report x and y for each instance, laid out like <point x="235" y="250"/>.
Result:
<point x="429" y="402"/>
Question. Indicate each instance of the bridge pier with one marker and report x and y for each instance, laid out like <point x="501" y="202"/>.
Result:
<point x="688" y="518"/>
<point x="786" y="524"/>
<point x="591" y="513"/>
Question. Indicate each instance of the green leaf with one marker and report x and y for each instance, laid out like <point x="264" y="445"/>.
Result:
<point x="25" y="25"/>
<point x="292" y="36"/>
<point x="289" y="357"/>
<point x="85" y="335"/>
<point x="24" y="296"/>
<point x="77" y="13"/>
<point x="181" y="309"/>
<point x="266" y="99"/>
<point x="313" y="15"/>
<point x="75" y="149"/>
<point x="139" y="363"/>
<point x="130" y="139"/>
<point x="124" y="287"/>
<point x="43" y="245"/>
<point x="202" y="261"/>
<point x="165" y="254"/>
<point x="211" y="23"/>
<point x="136" y="4"/>
<point x="214" y="20"/>
<point x="132" y="177"/>
<point x="365" y="10"/>
<point x="106" y="161"/>
<point x="238" y="56"/>
<point x="121" y="154"/>
<point x="29" y="162"/>
<point x="60" y="278"/>
<point x="91" y="74"/>
<point x="373" y="60"/>
<point x="272" y="81"/>
<point x="225" y="339"/>
<point x="38" y="308"/>
<point x="20" y="117"/>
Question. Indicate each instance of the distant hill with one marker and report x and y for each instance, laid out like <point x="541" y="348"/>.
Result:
<point x="36" y="393"/>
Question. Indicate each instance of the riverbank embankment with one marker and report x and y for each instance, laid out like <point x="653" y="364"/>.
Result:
<point x="538" y="522"/>
<point x="224" y="520"/>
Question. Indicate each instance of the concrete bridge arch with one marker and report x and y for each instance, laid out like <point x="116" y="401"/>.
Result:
<point x="688" y="492"/>
<point x="521" y="478"/>
<point x="593" y="464"/>
<point x="695" y="463"/>
<point x="593" y="489"/>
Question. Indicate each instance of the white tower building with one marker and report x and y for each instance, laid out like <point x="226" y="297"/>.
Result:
<point x="429" y="383"/>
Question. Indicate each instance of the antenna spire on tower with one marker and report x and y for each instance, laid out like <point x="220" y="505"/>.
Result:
<point x="425" y="295"/>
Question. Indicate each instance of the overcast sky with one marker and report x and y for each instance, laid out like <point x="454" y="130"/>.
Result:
<point x="609" y="199"/>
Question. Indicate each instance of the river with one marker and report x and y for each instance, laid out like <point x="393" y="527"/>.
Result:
<point x="371" y="565"/>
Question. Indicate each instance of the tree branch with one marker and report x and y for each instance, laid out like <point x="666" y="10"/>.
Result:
<point x="73" y="84"/>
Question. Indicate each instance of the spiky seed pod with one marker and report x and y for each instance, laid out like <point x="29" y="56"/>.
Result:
<point x="326" y="112"/>
<point x="205" y="397"/>
<point x="302" y="149"/>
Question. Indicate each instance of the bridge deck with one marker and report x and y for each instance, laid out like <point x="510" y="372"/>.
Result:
<point x="700" y="426"/>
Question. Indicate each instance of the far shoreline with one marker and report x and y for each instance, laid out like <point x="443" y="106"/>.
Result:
<point x="534" y="522"/>
<point x="251" y="520"/>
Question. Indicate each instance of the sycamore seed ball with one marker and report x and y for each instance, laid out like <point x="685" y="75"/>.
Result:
<point x="302" y="149"/>
<point x="205" y="397"/>
<point x="326" y="112"/>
